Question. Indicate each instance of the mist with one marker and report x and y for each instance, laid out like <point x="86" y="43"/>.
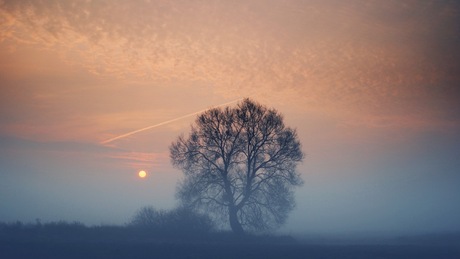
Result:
<point x="92" y="92"/>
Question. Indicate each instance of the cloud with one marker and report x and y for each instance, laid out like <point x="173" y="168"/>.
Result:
<point x="93" y="153"/>
<point x="59" y="146"/>
<point x="361" y="58"/>
<point x="140" y="160"/>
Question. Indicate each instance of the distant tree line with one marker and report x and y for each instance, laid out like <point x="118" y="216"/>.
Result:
<point x="148" y="224"/>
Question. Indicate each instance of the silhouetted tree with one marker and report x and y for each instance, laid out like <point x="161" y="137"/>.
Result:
<point x="239" y="164"/>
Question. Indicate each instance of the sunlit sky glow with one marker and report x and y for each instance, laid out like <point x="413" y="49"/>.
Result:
<point x="372" y="88"/>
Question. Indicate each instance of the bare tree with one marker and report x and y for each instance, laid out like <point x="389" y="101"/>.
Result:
<point x="239" y="164"/>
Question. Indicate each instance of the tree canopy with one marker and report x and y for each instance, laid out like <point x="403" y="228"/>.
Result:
<point x="240" y="166"/>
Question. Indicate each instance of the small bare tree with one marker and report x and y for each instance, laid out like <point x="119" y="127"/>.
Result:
<point x="239" y="164"/>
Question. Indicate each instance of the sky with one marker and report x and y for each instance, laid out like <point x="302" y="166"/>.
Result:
<point x="372" y="88"/>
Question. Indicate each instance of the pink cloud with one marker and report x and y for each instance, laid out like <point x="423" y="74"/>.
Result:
<point x="331" y="55"/>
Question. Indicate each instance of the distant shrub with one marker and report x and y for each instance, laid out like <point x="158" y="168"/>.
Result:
<point x="180" y="221"/>
<point x="187" y="220"/>
<point x="149" y="217"/>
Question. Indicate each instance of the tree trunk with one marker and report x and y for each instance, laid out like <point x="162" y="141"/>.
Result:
<point x="234" y="223"/>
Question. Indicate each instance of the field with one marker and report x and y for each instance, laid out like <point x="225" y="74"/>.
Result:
<point x="169" y="250"/>
<point x="64" y="240"/>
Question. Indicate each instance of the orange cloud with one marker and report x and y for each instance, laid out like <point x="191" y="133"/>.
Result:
<point x="340" y="56"/>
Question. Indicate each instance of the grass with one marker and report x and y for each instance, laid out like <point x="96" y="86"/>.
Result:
<point x="75" y="240"/>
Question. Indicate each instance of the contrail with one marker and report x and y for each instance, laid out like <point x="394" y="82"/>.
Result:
<point x="163" y="123"/>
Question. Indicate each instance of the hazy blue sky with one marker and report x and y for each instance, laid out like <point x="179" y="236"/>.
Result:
<point x="371" y="86"/>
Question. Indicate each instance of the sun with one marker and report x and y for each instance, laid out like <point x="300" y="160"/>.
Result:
<point x="142" y="174"/>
